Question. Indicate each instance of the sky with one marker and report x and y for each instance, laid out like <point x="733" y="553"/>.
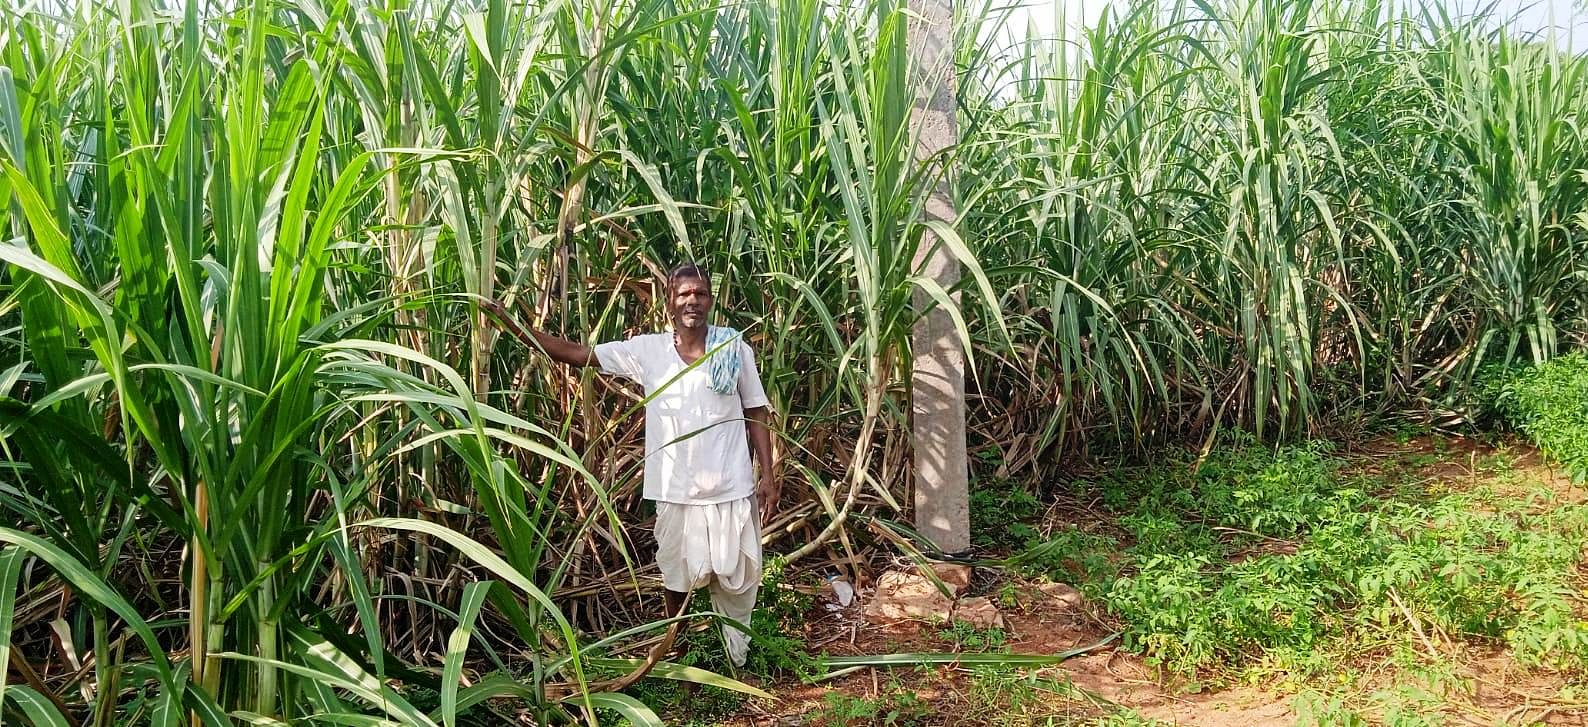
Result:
<point x="1568" y="17"/>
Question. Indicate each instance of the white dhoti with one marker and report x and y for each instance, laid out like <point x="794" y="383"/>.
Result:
<point x="717" y="545"/>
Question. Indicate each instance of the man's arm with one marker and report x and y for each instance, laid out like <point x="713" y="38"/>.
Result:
<point x="768" y="491"/>
<point x="558" y="349"/>
<point x="563" y="350"/>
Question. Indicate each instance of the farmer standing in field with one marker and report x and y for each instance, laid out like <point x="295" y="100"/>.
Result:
<point x="709" y="505"/>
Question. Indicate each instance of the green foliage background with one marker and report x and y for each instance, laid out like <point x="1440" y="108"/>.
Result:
<point x="252" y="403"/>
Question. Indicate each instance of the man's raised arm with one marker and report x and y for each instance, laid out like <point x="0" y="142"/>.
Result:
<point x="563" y="350"/>
<point x="558" y="349"/>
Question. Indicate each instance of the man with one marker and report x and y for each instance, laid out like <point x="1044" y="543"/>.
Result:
<point x="709" y="508"/>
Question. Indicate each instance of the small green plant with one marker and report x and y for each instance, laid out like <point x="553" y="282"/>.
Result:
<point x="1313" y="708"/>
<point x="776" y="649"/>
<point x="701" y="647"/>
<point x="1125" y="718"/>
<point x="686" y="706"/>
<point x="1404" y="432"/>
<point x="777" y="644"/>
<point x="1549" y="403"/>
<point x="1248" y="486"/>
<point x="1009" y="596"/>
<point x="895" y="706"/>
<point x="1071" y="555"/>
<point x="1000" y="509"/>
<point x="1010" y="697"/>
<point x="967" y="637"/>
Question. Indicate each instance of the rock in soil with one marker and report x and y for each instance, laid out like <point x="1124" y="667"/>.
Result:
<point x="953" y="575"/>
<point x="979" y="612"/>
<point x="1061" y="595"/>
<point x="903" y="595"/>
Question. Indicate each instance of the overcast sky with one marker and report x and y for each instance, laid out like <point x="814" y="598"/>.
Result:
<point x="1568" y="17"/>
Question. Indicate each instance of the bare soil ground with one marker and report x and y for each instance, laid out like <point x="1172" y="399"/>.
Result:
<point x="1109" y="686"/>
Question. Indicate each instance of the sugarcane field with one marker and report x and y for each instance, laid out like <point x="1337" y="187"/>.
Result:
<point x="796" y="363"/>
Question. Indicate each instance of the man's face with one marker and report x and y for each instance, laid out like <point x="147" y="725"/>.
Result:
<point x="689" y="303"/>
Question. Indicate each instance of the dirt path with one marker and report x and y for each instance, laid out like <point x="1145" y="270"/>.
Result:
<point x="1123" y="680"/>
<point x="1079" y="691"/>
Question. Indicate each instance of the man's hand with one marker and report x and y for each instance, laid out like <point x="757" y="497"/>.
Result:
<point x="768" y="489"/>
<point x="766" y="496"/>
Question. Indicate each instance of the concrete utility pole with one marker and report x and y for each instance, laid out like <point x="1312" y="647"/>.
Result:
<point x="942" y="493"/>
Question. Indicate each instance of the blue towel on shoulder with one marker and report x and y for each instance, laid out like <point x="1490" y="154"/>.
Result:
<point x="724" y="364"/>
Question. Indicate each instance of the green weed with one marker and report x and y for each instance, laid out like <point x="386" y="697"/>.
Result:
<point x="1014" y="697"/>
<point x="777" y="643"/>
<point x="777" y="649"/>
<point x="1549" y="403"/>
<point x="693" y="704"/>
<point x="1313" y="708"/>
<point x="701" y="706"/>
<point x="895" y="706"/>
<point x="1267" y="561"/>
<point x="1071" y="555"/>
<point x="966" y="637"/>
<point x="1125" y="718"/>
<point x="1000" y="513"/>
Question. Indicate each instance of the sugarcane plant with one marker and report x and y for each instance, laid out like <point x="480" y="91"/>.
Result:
<point x="269" y="457"/>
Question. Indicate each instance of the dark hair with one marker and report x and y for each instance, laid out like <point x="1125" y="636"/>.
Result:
<point x="689" y="270"/>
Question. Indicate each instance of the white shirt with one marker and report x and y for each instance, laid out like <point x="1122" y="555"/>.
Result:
<point x="696" y="450"/>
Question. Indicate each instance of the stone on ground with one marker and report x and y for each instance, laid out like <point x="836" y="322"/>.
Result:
<point x="1061" y="594"/>
<point x="953" y="575"/>
<point x="979" y="612"/>
<point x="903" y="595"/>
